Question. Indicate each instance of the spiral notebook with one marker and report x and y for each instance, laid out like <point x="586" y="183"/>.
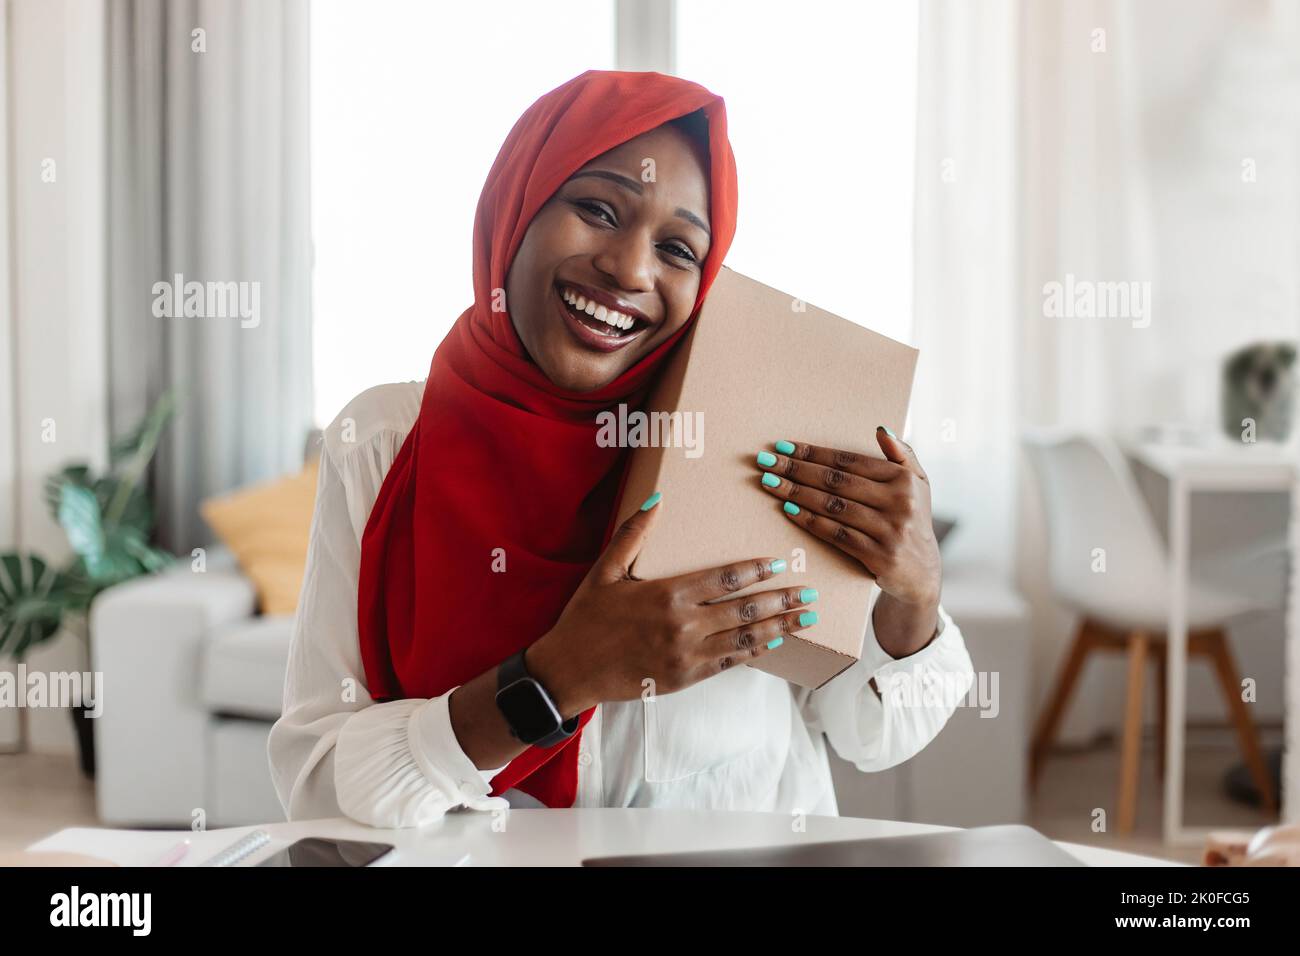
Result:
<point x="240" y="850"/>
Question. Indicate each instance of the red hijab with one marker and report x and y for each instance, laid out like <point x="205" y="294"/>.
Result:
<point x="501" y="458"/>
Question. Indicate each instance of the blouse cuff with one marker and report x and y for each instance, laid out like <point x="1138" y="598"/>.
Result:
<point x="440" y="755"/>
<point x="876" y="730"/>
<point x="877" y="659"/>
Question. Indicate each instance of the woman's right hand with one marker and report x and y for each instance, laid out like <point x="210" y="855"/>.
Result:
<point x="618" y="630"/>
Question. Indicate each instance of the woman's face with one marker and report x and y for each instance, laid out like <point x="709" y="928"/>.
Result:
<point x="624" y="238"/>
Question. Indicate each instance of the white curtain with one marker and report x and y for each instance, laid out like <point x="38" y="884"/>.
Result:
<point x="1103" y="139"/>
<point x="52" y="303"/>
<point x="208" y="178"/>
<point x="1084" y="209"/>
<point x="967" y="321"/>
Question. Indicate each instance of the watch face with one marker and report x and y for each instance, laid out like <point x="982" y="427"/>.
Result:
<point x="528" y="710"/>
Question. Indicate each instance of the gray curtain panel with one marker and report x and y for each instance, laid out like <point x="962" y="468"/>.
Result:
<point x="208" y="137"/>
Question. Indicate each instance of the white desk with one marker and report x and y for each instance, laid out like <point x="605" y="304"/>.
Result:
<point x="1225" y="468"/>
<point x="530" y="837"/>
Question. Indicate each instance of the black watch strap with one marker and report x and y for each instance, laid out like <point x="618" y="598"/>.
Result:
<point x="513" y="670"/>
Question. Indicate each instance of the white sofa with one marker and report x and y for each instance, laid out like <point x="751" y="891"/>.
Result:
<point x="193" y="681"/>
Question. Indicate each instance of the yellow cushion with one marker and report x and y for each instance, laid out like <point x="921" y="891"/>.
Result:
<point x="266" y="526"/>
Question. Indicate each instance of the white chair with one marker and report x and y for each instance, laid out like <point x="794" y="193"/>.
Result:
<point x="1097" y="519"/>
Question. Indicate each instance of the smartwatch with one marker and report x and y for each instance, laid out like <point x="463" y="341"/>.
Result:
<point x="527" y="707"/>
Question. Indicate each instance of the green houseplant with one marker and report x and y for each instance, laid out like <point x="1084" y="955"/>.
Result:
<point x="108" y="520"/>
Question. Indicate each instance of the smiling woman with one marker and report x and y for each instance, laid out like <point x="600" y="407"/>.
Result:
<point x="617" y="252"/>
<point x="464" y="570"/>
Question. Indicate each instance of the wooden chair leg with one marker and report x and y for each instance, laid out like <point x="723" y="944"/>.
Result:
<point x="1131" y="751"/>
<point x="1049" y="721"/>
<point x="1162" y="699"/>
<point x="1221" y="654"/>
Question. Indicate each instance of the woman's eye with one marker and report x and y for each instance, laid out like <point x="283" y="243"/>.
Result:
<point x="606" y="215"/>
<point x="680" y="251"/>
<point x="596" y="209"/>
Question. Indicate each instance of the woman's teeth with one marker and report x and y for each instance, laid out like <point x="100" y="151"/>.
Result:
<point x="609" y="316"/>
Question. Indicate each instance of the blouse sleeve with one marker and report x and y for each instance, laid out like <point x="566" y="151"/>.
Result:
<point x="917" y="694"/>
<point x="334" y="750"/>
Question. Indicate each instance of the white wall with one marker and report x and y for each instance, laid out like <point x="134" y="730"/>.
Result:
<point x="52" y="360"/>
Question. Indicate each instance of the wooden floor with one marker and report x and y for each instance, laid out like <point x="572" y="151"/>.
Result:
<point x="1076" y="782"/>
<point x="41" y="793"/>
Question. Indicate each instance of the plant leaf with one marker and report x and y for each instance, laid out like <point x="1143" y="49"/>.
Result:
<point x="80" y="518"/>
<point x="137" y="513"/>
<point x="151" y="559"/>
<point x="78" y="587"/>
<point x="131" y="468"/>
<point x="105" y="554"/>
<point x="78" y="474"/>
<point x="32" y="603"/>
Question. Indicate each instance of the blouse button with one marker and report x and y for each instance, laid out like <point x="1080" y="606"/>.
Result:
<point x="584" y="758"/>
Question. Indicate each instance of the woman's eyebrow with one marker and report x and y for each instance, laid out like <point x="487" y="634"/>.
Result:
<point x="625" y="181"/>
<point x="693" y="219"/>
<point x="632" y="185"/>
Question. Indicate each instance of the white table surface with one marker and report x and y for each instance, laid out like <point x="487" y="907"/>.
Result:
<point x="528" y="837"/>
<point x="1221" y="466"/>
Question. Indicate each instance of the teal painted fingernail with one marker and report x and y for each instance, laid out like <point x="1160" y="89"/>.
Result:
<point x="777" y="566"/>
<point x="775" y="643"/>
<point x="771" y="480"/>
<point x="807" y="617"/>
<point x="888" y="431"/>
<point x="766" y="459"/>
<point x="807" y="595"/>
<point x="652" y="501"/>
<point x="785" y="447"/>
<point x="790" y="508"/>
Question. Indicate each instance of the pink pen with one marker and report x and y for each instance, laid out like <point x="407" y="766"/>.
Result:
<point x="175" y="854"/>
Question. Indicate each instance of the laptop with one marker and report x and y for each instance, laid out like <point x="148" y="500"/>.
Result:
<point x="1010" y="845"/>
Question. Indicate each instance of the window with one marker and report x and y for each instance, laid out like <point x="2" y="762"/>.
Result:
<point x="821" y="105"/>
<point x="410" y="102"/>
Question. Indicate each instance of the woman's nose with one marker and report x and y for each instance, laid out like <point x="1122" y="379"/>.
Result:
<point x="629" y="261"/>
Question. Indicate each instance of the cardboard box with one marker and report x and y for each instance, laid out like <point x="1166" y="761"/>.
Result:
<point x="758" y="366"/>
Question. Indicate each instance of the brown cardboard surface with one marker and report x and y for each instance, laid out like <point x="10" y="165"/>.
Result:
<point x="759" y="366"/>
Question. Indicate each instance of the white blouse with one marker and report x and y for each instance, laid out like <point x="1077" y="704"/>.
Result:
<point x="741" y="740"/>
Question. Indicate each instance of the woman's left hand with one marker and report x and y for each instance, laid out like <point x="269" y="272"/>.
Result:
<point x="877" y="512"/>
